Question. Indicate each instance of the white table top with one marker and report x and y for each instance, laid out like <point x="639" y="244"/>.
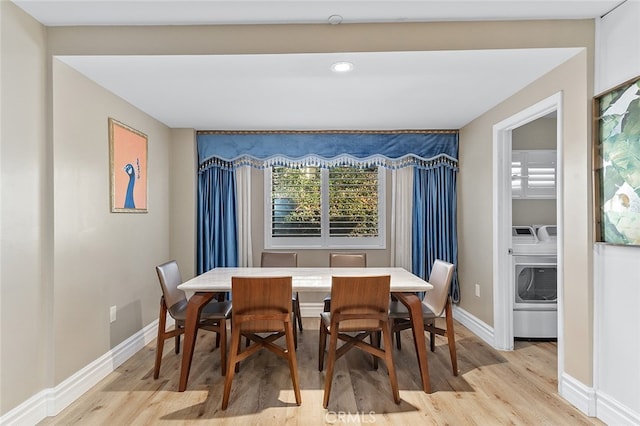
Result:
<point x="303" y="279"/>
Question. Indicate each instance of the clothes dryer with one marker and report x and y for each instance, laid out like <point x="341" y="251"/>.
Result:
<point x="535" y="305"/>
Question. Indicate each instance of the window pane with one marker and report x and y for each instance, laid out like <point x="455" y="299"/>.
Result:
<point x="295" y="202"/>
<point x="353" y="202"/>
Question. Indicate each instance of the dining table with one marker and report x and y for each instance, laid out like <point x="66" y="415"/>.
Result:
<point x="404" y="286"/>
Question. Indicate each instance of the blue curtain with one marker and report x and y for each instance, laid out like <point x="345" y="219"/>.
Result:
<point x="434" y="221"/>
<point x="217" y="225"/>
<point x="432" y="154"/>
<point x="243" y="147"/>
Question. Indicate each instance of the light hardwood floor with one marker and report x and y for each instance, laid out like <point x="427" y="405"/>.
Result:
<point x="492" y="388"/>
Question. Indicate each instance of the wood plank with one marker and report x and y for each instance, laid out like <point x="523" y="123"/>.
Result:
<point x="518" y="387"/>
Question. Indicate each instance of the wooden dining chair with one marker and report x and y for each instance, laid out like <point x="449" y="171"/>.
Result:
<point x="434" y="304"/>
<point x="173" y="300"/>
<point x="272" y="259"/>
<point x="344" y="260"/>
<point x="359" y="305"/>
<point x="261" y="305"/>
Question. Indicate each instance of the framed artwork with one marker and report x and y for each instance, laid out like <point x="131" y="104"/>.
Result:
<point x="617" y="164"/>
<point x="128" y="160"/>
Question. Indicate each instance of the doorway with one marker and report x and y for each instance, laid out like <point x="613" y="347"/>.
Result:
<point x="503" y="284"/>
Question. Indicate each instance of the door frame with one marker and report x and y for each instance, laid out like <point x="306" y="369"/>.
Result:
<point x="503" y="279"/>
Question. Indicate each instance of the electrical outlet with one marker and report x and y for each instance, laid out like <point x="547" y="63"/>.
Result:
<point x="477" y="290"/>
<point x="112" y="313"/>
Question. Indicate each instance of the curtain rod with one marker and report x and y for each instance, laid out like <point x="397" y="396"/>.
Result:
<point x="257" y="132"/>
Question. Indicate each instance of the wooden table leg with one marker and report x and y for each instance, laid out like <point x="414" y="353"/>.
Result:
<point x="414" y="305"/>
<point x="194" y="307"/>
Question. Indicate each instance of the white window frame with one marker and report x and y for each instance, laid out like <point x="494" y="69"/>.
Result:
<point x="325" y="241"/>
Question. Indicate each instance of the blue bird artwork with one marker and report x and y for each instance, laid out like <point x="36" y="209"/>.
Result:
<point x="129" y="203"/>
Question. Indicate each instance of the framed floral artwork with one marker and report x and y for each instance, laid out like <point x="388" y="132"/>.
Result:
<point x="617" y="164"/>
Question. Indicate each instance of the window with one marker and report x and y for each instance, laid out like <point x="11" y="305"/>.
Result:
<point x="533" y="174"/>
<point x="313" y="207"/>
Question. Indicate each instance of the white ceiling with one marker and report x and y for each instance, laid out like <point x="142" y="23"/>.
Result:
<point x="387" y="90"/>
<point x="200" y="12"/>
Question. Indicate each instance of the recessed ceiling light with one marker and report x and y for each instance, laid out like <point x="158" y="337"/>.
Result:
<point x="342" y="67"/>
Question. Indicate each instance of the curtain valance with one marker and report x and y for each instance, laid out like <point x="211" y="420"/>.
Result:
<point x="399" y="149"/>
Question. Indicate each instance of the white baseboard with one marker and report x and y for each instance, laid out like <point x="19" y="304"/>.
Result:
<point x="595" y="403"/>
<point x="578" y="394"/>
<point x="51" y="401"/>
<point x="475" y="325"/>
<point x="612" y="412"/>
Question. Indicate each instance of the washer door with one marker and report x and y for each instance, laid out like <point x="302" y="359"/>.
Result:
<point x="536" y="284"/>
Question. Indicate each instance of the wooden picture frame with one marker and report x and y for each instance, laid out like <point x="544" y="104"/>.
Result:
<point x="128" y="168"/>
<point x="616" y="156"/>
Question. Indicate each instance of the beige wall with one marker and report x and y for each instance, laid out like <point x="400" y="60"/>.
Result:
<point x="183" y="163"/>
<point x="538" y="134"/>
<point x="101" y="259"/>
<point x="573" y="79"/>
<point x="87" y="237"/>
<point x="65" y="258"/>
<point x="25" y="266"/>
<point x="533" y="212"/>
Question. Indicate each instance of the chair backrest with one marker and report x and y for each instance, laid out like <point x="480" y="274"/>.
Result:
<point x="169" y="276"/>
<point x="261" y="296"/>
<point x="278" y="259"/>
<point x="440" y="277"/>
<point x="348" y="260"/>
<point x="360" y="295"/>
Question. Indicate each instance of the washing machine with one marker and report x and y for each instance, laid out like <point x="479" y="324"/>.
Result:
<point x="535" y="304"/>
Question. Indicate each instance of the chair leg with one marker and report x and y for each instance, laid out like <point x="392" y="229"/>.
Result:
<point x="297" y="312"/>
<point x="160" y="339"/>
<point x="333" y="345"/>
<point x="386" y="334"/>
<point x="451" y="338"/>
<point x="220" y="297"/>
<point x="237" y="368"/>
<point x="432" y="341"/>
<point x="295" y="329"/>
<point x="222" y="338"/>
<point x="177" y="348"/>
<point x="294" y="318"/>
<point x="397" y="333"/>
<point x="374" y="339"/>
<point x="293" y="365"/>
<point x="321" y="346"/>
<point x="235" y="349"/>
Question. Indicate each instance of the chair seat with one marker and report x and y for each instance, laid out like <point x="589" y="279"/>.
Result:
<point x="216" y="310"/>
<point x="325" y="317"/>
<point x="211" y="311"/>
<point x="397" y="310"/>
